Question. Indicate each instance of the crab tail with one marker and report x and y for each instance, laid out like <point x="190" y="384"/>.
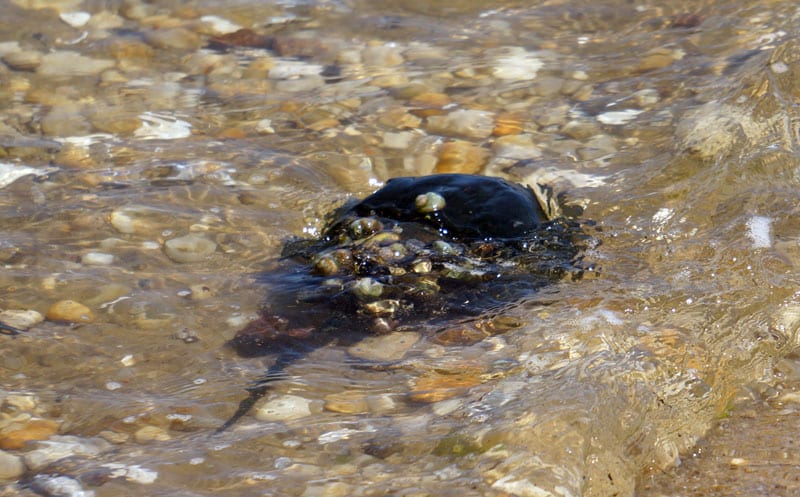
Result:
<point x="260" y="388"/>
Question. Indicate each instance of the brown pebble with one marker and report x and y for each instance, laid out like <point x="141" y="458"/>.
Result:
<point x="433" y="387"/>
<point x="508" y="124"/>
<point x="34" y="429"/>
<point x="241" y="38"/>
<point x="686" y="20"/>
<point x="463" y="335"/>
<point x="461" y="157"/>
<point x="347" y="402"/>
<point x="70" y="311"/>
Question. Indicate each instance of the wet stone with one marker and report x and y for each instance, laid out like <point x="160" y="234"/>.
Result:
<point x="391" y="347"/>
<point x="148" y="434"/>
<point x="18" y="435"/>
<point x="467" y="123"/>
<point x="68" y="64"/>
<point x="189" y="248"/>
<point x="70" y="311"/>
<point x="284" y="408"/>
<point x="60" y="447"/>
<point x="11" y="466"/>
<point x="21" y="319"/>
<point x="58" y="486"/>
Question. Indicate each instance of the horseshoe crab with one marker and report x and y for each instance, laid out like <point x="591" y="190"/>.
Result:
<point x="419" y="249"/>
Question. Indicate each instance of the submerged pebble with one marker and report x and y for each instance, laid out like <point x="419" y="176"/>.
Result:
<point x="284" y="408"/>
<point x="63" y="446"/>
<point x="189" y="248"/>
<point x="59" y="486"/>
<point x="18" y="435"/>
<point x="21" y="319"/>
<point x="70" y="311"/>
<point x="11" y="466"/>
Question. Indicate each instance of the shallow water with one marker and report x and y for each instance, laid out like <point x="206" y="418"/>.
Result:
<point x="675" y="126"/>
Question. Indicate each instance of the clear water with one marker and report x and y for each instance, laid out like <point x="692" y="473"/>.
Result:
<point x="674" y="124"/>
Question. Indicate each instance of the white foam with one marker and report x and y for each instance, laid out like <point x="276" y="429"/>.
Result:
<point x="758" y="229"/>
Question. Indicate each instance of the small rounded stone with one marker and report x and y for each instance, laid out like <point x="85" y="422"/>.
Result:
<point x="70" y="311"/>
<point x="11" y="466"/>
<point x="32" y="430"/>
<point x="429" y="202"/>
<point x="284" y="408"/>
<point x="151" y="434"/>
<point x="189" y="248"/>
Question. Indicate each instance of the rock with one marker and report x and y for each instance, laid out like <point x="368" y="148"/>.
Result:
<point x="21" y="319"/>
<point x="508" y="124"/>
<point x="65" y="120"/>
<point x="59" y="486"/>
<point x="11" y="466"/>
<point x="162" y="127"/>
<point x="189" y="248"/>
<point x="518" y="147"/>
<point x="173" y="38"/>
<point x="348" y="402"/>
<point x="305" y="83"/>
<point x="24" y="60"/>
<point x="580" y="130"/>
<point x="598" y="146"/>
<point x="65" y="63"/>
<point x="75" y="19"/>
<point x="32" y="430"/>
<point x="331" y="489"/>
<point x="97" y="259"/>
<point x="399" y="141"/>
<point x="284" y="408"/>
<point x="467" y="123"/>
<point x="151" y="434"/>
<point x="70" y="311"/>
<point x="461" y="157"/>
<point x="382" y="56"/>
<point x="60" y="447"/>
<point x="386" y="348"/>
<point x="619" y="117"/>
<point x="434" y="387"/>
<point x="516" y="64"/>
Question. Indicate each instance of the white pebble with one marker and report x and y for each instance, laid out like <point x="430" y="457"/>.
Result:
<point x="113" y="385"/>
<point x="758" y="229"/>
<point x="97" y="259"/>
<point x="59" y="447"/>
<point x="518" y="64"/>
<point x="10" y="173"/>
<point x="61" y="486"/>
<point x="162" y="127"/>
<point x="75" y="19"/>
<point x="284" y="408"/>
<point x="617" y="117"/>
<point x="128" y="360"/>
<point x="221" y="25"/>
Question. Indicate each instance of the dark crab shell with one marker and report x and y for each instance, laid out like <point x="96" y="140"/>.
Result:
<point x="418" y="250"/>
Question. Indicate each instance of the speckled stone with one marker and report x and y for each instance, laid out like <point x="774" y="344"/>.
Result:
<point x="70" y="311"/>
<point x="284" y="408"/>
<point x="189" y="248"/>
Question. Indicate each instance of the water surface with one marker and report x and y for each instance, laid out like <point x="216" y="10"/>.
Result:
<point x="675" y="127"/>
